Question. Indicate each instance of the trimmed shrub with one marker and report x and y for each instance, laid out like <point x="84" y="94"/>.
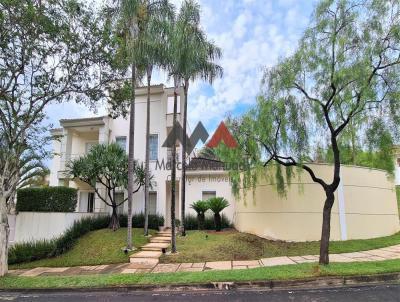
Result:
<point x="30" y="251"/>
<point x="48" y="199"/>
<point x="155" y="221"/>
<point x="191" y="222"/>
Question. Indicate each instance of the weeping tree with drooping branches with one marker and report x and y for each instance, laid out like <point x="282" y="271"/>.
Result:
<point x="346" y="69"/>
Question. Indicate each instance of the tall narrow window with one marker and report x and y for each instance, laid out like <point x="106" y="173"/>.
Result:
<point x="170" y="105"/>
<point x="121" y="141"/>
<point x="153" y="203"/>
<point x="90" y="206"/>
<point x="153" y="142"/>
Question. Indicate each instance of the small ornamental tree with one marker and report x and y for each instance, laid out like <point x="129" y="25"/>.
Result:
<point x="345" y="72"/>
<point x="201" y="207"/>
<point x="107" y="166"/>
<point x="217" y="204"/>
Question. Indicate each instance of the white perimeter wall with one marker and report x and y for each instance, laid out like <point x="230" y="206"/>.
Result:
<point x="32" y="226"/>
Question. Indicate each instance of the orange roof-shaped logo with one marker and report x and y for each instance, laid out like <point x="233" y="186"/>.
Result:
<point x="222" y="134"/>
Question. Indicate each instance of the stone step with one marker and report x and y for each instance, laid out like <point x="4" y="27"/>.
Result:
<point x="146" y="255"/>
<point x="160" y="239"/>
<point x="155" y="246"/>
<point x="164" y="235"/>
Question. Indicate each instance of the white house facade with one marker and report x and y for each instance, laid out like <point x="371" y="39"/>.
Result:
<point x="76" y="136"/>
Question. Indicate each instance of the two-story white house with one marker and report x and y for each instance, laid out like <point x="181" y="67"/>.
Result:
<point x="77" y="136"/>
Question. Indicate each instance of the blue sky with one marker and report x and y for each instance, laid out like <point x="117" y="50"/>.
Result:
<point x="253" y="34"/>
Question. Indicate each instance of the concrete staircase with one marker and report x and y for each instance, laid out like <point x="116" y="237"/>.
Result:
<point x="149" y="256"/>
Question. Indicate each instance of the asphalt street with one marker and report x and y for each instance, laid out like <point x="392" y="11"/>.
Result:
<point x="387" y="293"/>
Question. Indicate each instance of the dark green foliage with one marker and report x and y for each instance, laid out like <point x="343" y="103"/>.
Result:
<point x="155" y="221"/>
<point x="30" y="251"/>
<point x="191" y="222"/>
<point x="201" y="207"/>
<point x="47" y="199"/>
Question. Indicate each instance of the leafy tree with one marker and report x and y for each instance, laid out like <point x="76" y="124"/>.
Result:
<point x="346" y="68"/>
<point x="50" y="51"/>
<point x="200" y="206"/>
<point x="217" y="204"/>
<point x="106" y="165"/>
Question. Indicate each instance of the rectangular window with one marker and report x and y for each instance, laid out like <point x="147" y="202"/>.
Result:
<point x="208" y="194"/>
<point x="121" y="141"/>
<point x="86" y="202"/>
<point x="90" y="204"/>
<point x="152" y="203"/>
<point x="398" y="162"/>
<point x="119" y="198"/>
<point x="170" y="105"/>
<point x="153" y="142"/>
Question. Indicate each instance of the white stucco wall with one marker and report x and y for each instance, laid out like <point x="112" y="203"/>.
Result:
<point x="32" y="226"/>
<point x="11" y="224"/>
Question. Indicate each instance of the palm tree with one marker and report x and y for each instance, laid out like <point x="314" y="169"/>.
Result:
<point x="154" y="41"/>
<point x="134" y="16"/>
<point x="197" y="56"/>
<point x="217" y="204"/>
<point x="201" y="207"/>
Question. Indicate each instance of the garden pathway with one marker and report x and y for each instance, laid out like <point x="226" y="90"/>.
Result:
<point x="147" y="261"/>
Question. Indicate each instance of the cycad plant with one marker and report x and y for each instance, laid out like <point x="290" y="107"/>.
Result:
<point x="201" y="207"/>
<point x="217" y="204"/>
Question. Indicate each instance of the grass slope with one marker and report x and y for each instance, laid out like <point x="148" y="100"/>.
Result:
<point x="210" y="246"/>
<point x="95" y="248"/>
<point x="286" y="272"/>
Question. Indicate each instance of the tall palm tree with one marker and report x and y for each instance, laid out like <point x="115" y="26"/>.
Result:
<point x="154" y="41"/>
<point x="135" y="16"/>
<point x="197" y="56"/>
<point x="130" y="14"/>
<point x="190" y="56"/>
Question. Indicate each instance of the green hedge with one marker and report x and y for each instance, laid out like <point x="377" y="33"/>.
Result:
<point x="30" y="251"/>
<point x="155" y="221"/>
<point x="191" y="222"/>
<point x="48" y="199"/>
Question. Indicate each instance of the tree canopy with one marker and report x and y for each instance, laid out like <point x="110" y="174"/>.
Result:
<point x="344" y="75"/>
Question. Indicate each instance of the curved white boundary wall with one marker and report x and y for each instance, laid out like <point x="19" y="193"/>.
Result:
<point x="365" y="207"/>
<point x="33" y="226"/>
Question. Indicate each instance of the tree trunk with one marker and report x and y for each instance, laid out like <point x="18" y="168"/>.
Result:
<point x="4" y="232"/>
<point x="131" y="158"/>
<point x="326" y="227"/>
<point x="147" y="159"/>
<point x="173" y="170"/>
<point x="200" y="221"/>
<point x="183" y="181"/>
<point x="217" y="220"/>
<point x="114" y="222"/>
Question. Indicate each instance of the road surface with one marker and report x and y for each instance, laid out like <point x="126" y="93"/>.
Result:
<point x="387" y="293"/>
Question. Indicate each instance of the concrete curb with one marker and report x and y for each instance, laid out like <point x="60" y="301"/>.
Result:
<point x="319" y="282"/>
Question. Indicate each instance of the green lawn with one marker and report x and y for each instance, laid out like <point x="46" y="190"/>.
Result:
<point x="95" y="248"/>
<point x="286" y="272"/>
<point x="210" y="246"/>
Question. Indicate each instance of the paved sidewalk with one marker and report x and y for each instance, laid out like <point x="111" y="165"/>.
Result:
<point x="387" y="253"/>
